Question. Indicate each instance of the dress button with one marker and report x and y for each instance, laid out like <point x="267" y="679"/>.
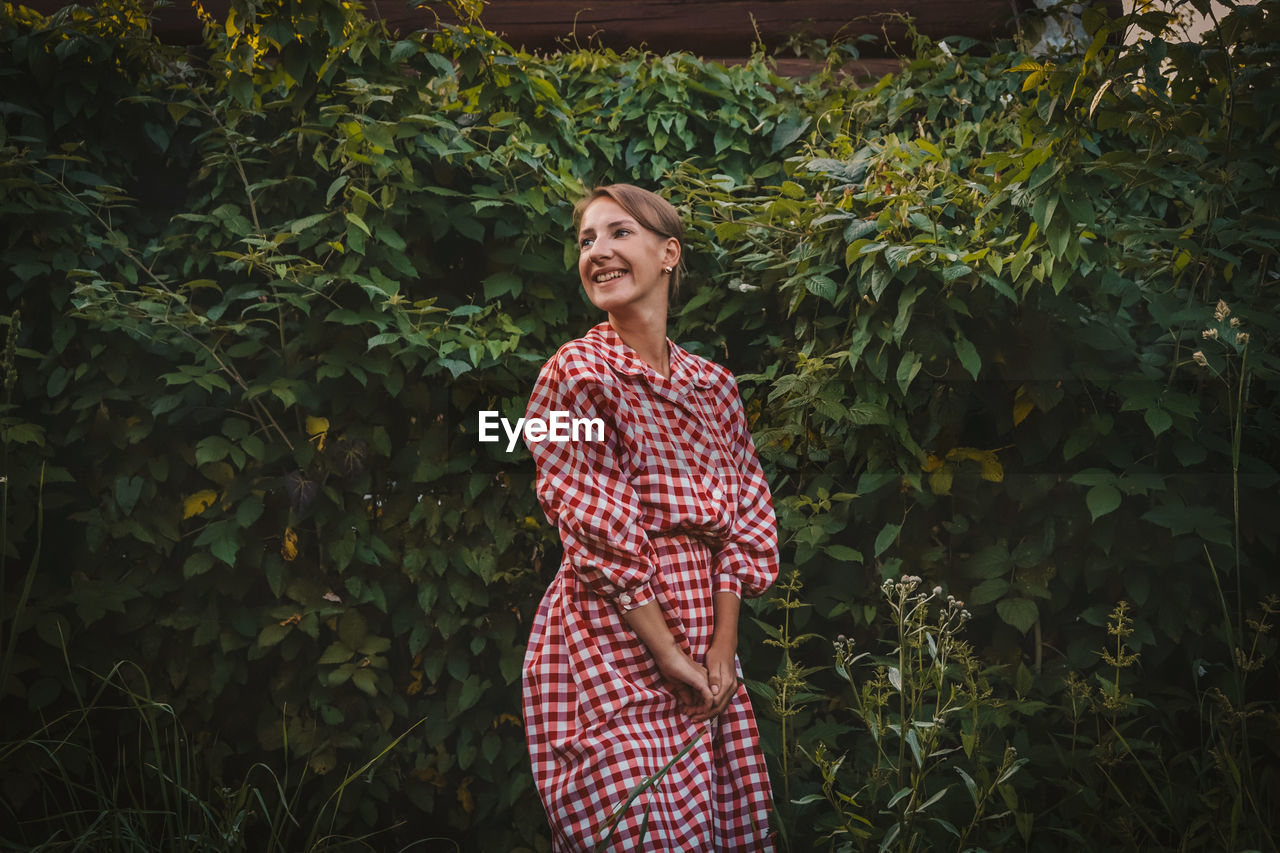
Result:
<point x="624" y="599"/>
<point x="717" y="494"/>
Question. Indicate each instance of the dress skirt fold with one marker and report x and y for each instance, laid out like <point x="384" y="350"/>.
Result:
<point x="600" y="720"/>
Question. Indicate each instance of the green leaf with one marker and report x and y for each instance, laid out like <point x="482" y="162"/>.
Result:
<point x="366" y="680"/>
<point x="991" y="562"/>
<point x="1158" y="420"/>
<point x="197" y="564"/>
<point x="359" y="223"/>
<point x="968" y="355"/>
<point x="128" y="490"/>
<point x="469" y="695"/>
<point x="240" y="86"/>
<point x="1021" y="613"/>
<point x="908" y="367"/>
<point x="336" y="653"/>
<point x="335" y="185"/>
<point x="787" y="132"/>
<point x="272" y="634"/>
<point x="844" y="553"/>
<point x="352" y="629"/>
<point x="822" y="287"/>
<point x="1101" y="500"/>
<point x="888" y="534"/>
<point x="988" y="591"/>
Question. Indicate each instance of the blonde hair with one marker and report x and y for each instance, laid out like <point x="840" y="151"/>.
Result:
<point x="650" y="210"/>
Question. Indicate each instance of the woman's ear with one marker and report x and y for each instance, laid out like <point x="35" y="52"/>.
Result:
<point x="671" y="253"/>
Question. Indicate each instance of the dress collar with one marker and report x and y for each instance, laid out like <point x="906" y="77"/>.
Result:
<point x="685" y="368"/>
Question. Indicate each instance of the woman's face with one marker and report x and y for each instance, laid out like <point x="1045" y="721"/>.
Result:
<point x="621" y="262"/>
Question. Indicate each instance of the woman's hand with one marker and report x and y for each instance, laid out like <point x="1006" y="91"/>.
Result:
<point x="722" y="656"/>
<point x="722" y="674"/>
<point x="687" y="679"/>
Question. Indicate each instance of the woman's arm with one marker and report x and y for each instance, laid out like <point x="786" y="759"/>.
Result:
<point x="722" y="655"/>
<point x="685" y="676"/>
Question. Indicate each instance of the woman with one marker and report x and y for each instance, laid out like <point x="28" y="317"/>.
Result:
<point x="665" y="523"/>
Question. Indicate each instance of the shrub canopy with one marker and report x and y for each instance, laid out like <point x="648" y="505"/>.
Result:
<point x="1007" y="324"/>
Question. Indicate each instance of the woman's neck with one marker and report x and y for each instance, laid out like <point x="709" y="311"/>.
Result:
<point x="647" y="335"/>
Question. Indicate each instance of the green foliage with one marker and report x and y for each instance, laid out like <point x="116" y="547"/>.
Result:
<point x="927" y="709"/>
<point x="1000" y="276"/>
<point x="265" y="289"/>
<point x="989" y="315"/>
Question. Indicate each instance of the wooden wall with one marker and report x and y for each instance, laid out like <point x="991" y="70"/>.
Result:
<point x="715" y="29"/>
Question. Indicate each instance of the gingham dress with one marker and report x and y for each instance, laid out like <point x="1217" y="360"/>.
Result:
<point x="671" y="506"/>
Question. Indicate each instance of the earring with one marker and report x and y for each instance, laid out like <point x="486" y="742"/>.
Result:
<point x="667" y="270"/>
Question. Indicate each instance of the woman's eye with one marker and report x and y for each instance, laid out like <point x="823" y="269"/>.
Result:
<point x="585" y="242"/>
<point x="622" y="232"/>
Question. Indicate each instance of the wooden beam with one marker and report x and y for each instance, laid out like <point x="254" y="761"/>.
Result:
<point x="702" y="27"/>
<point x="720" y="27"/>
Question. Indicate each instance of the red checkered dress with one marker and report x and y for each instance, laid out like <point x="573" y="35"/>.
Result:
<point x="670" y="507"/>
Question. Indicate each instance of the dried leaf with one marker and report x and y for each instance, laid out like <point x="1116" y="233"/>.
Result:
<point x="289" y="547"/>
<point x="197" y="503"/>
<point x="318" y="431"/>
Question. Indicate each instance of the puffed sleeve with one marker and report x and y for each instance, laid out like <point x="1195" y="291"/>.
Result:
<point x="747" y="564"/>
<point x="583" y="489"/>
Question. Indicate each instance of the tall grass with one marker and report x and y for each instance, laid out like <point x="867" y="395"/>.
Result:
<point x="119" y="773"/>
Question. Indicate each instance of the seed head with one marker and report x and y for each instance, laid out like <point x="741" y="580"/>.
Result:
<point x="1198" y="358"/>
<point x="1209" y="334"/>
<point x="1221" y="311"/>
<point x="1242" y="338"/>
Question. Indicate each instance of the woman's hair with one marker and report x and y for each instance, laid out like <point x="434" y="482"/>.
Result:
<point x="649" y="209"/>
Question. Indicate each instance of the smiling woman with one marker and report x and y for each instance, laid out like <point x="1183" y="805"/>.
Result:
<point x="632" y="660"/>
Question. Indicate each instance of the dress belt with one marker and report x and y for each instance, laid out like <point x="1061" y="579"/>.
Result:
<point x="680" y="533"/>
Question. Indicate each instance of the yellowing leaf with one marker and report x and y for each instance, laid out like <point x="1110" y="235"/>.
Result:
<point x="1022" y="405"/>
<point x="940" y="480"/>
<point x="195" y="504"/>
<point x="991" y="469"/>
<point x="318" y="431"/>
<point x="289" y="547"/>
<point x="465" y="798"/>
<point x="931" y="463"/>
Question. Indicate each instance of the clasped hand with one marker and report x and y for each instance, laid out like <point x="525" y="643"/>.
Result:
<point x="702" y="691"/>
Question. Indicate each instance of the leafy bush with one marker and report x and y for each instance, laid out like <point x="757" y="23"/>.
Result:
<point x="258" y="293"/>
<point x="1031" y="357"/>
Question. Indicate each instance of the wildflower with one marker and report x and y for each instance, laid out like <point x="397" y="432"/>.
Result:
<point x="1198" y="358"/>
<point x="937" y="590"/>
<point x="1221" y="311"/>
<point x="1242" y="338"/>
<point x="1209" y="334"/>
